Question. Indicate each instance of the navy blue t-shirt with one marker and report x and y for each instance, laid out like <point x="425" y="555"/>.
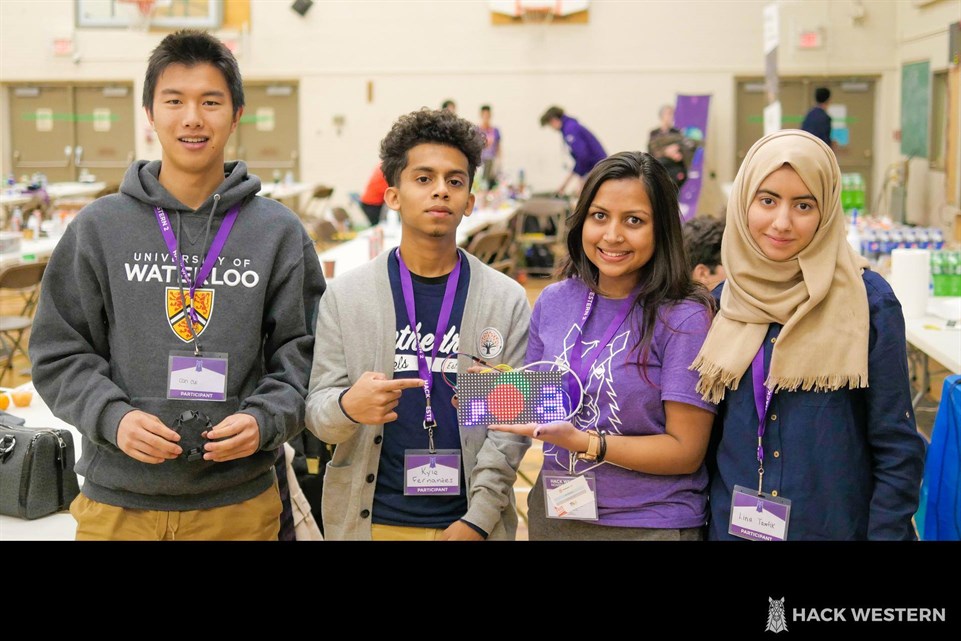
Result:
<point x="391" y="507"/>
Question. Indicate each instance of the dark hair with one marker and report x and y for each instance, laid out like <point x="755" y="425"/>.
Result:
<point x="429" y="126"/>
<point x="485" y="108"/>
<point x="190" y="48"/>
<point x="665" y="278"/>
<point x="550" y="114"/>
<point x="702" y="242"/>
<point x="448" y="103"/>
<point x="822" y="94"/>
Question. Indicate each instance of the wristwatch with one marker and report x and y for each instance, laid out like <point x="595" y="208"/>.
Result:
<point x="593" y="447"/>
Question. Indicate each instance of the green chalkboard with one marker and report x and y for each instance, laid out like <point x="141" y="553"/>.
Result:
<point x="915" y="108"/>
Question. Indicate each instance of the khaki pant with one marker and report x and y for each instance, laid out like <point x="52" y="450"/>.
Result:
<point x="257" y="519"/>
<point x="379" y="532"/>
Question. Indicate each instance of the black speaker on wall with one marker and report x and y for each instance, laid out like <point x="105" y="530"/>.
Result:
<point x="302" y="6"/>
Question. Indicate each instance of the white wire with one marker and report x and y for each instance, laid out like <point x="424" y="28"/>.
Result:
<point x="568" y="370"/>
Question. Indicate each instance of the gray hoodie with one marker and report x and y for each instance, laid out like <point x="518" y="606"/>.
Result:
<point x="103" y="333"/>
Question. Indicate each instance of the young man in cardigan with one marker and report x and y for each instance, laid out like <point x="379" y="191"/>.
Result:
<point x="370" y="384"/>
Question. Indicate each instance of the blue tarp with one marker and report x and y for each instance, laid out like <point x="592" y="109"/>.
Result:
<point x="939" y="514"/>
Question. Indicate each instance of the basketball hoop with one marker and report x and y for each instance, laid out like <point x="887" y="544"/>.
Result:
<point x="540" y="16"/>
<point x="140" y="12"/>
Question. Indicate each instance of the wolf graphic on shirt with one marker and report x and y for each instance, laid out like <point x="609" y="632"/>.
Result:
<point x="600" y="396"/>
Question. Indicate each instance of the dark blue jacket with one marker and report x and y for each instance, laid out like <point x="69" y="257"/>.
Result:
<point x="850" y="461"/>
<point x="585" y="148"/>
<point x="817" y="122"/>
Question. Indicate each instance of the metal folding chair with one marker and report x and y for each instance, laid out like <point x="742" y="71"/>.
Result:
<point x="25" y="280"/>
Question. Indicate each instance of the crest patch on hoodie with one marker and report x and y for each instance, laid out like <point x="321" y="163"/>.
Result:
<point x="203" y="303"/>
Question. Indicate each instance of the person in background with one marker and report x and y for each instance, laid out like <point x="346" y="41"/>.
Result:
<point x="811" y="341"/>
<point x="148" y="298"/>
<point x="585" y="148"/>
<point x="671" y="157"/>
<point x="702" y="245"/>
<point x="491" y="155"/>
<point x="377" y="390"/>
<point x="372" y="200"/>
<point x="449" y="105"/>
<point x="817" y="121"/>
<point x="666" y="116"/>
<point x="627" y="320"/>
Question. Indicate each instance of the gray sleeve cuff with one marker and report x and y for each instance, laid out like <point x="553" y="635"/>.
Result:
<point x="110" y="419"/>
<point x="270" y="438"/>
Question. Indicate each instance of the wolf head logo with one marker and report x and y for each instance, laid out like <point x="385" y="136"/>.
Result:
<point x="775" y="616"/>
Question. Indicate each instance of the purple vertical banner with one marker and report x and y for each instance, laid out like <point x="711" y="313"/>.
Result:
<point x="690" y="116"/>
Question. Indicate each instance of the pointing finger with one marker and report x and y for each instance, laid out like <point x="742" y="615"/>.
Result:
<point x="403" y="383"/>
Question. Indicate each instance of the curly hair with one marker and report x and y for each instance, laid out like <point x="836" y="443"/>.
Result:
<point x="702" y="242"/>
<point x="429" y="126"/>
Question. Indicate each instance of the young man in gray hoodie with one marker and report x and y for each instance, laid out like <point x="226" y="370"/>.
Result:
<point x="174" y="329"/>
<point x="384" y="402"/>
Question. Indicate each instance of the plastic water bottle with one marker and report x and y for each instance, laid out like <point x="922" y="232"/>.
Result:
<point x="940" y="279"/>
<point x="870" y="247"/>
<point x="857" y="198"/>
<point x="952" y="268"/>
<point x="854" y="236"/>
<point x="33" y="224"/>
<point x="910" y="240"/>
<point x="846" y="200"/>
<point x="16" y="219"/>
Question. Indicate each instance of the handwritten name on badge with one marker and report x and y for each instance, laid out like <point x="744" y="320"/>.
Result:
<point x="431" y="473"/>
<point x="197" y="378"/>
<point x="762" y="518"/>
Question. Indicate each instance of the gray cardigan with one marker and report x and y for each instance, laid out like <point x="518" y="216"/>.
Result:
<point x="356" y="330"/>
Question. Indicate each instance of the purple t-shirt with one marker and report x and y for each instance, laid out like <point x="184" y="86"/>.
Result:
<point x="621" y="401"/>
<point x="493" y="141"/>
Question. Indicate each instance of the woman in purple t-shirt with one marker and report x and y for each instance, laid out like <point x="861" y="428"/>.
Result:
<point x="627" y="320"/>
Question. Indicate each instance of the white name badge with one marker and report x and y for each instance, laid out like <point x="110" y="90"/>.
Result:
<point x="570" y="497"/>
<point x="429" y="474"/>
<point x="758" y="517"/>
<point x="197" y="378"/>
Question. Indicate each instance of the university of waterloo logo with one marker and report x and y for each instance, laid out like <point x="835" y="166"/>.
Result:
<point x="177" y="316"/>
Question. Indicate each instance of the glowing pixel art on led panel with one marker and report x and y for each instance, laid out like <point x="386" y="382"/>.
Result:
<point x="510" y="397"/>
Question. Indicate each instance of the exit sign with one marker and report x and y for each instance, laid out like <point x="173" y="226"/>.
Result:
<point x="810" y="39"/>
<point x="63" y="46"/>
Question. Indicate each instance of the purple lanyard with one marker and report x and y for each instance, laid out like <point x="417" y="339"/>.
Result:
<point x="582" y="371"/>
<point x="220" y="238"/>
<point x="757" y="375"/>
<point x="450" y="293"/>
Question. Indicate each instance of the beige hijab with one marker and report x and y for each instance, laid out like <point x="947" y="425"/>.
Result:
<point x="818" y="296"/>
